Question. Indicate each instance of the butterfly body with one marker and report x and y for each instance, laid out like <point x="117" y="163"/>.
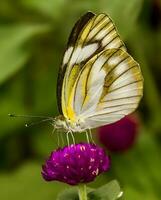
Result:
<point x="64" y="124"/>
<point x="99" y="82"/>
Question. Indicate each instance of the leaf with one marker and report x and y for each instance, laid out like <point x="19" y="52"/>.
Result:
<point x="110" y="191"/>
<point x="143" y="172"/>
<point x="70" y="194"/>
<point x="13" y="54"/>
<point x="133" y="194"/>
<point x="27" y="183"/>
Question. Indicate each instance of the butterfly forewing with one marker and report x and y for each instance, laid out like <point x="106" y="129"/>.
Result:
<point x="71" y="43"/>
<point x="90" y="35"/>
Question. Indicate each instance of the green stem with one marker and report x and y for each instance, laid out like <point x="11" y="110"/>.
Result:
<point x="82" y="191"/>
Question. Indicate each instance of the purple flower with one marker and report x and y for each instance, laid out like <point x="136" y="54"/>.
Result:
<point x="119" y="136"/>
<point x="74" y="164"/>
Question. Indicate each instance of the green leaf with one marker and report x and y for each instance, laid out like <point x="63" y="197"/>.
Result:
<point x="133" y="194"/>
<point x="110" y="191"/>
<point x="70" y="194"/>
<point x="13" y="54"/>
<point x="143" y="173"/>
<point x="27" y="183"/>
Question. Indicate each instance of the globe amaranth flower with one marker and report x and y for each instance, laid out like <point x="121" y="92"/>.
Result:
<point x="77" y="163"/>
<point x="119" y="136"/>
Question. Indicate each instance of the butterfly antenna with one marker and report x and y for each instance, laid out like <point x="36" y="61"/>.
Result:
<point x="30" y="116"/>
<point x="38" y="122"/>
<point x="44" y="119"/>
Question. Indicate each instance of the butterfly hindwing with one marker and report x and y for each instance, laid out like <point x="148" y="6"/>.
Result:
<point x="109" y="86"/>
<point x="90" y="35"/>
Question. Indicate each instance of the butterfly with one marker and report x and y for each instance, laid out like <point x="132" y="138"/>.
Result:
<point x="98" y="82"/>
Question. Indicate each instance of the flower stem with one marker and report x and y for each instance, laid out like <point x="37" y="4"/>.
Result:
<point x="82" y="191"/>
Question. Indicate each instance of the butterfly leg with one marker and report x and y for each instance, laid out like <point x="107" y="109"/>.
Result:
<point x="72" y="137"/>
<point x="67" y="134"/>
<point x="58" y="138"/>
<point x="91" y="137"/>
<point x="53" y="131"/>
<point x="62" y="139"/>
<point x="87" y="136"/>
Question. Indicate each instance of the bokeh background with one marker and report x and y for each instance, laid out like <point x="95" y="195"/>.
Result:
<point x="33" y="36"/>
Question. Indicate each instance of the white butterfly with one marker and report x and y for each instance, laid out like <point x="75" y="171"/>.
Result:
<point x="99" y="82"/>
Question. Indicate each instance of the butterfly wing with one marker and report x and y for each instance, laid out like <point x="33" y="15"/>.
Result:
<point x="90" y="35"/>
<point x="71" y="43"/>
<point x="109" y="87"/>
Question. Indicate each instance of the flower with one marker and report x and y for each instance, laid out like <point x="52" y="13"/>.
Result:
<point x="119" y="136"/>
<point x="77" y="163"/>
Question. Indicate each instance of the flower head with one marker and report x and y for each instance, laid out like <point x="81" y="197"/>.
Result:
<point x="74" y="164"/>
<point x="119" y="136"/>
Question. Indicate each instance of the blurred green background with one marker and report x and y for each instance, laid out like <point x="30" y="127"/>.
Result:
<point x="33" y="36"/>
